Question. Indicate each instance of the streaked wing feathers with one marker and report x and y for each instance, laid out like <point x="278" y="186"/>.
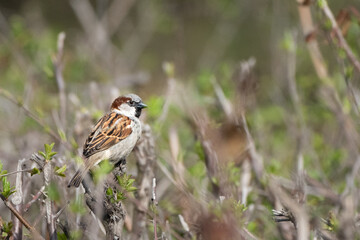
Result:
<point x="109" y="130"/>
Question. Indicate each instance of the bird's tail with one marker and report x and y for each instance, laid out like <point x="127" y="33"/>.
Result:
<point x="78" y="177"/>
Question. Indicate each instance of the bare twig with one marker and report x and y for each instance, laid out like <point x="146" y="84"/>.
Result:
<point x="309" y="33"/>
<point x="300" y="216"/>
<point x="58" y="67"/>
<point x="329" y="93"/>
<point x="21" y="218"/>
<point x="116" y="13"/>
<point x="34" y="199"/>
<point x="211" y="158"/>
<point x="342" y="42"/>
<point x="57" y="215"/>
<point x="30" y="114"/>
<point x="15" y="172"/>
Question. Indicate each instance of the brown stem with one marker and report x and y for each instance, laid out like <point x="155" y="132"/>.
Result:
<point x="18" y="171"/>
<point x="34" y="199"/>
<point x="21" y="218"/>
<point x="342" y="42"/>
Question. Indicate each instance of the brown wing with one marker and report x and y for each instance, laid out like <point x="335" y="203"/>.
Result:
<point x="109" y="130"/>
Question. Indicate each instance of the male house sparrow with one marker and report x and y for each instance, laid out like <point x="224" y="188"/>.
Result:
<point x="114" y="135"/>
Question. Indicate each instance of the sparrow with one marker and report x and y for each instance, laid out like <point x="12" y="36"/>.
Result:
<point x="113" y="137"/>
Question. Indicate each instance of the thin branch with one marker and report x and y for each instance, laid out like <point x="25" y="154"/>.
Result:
<point x="310" y="39"/>
<point x="301" y="218"/>
<point x="57" y="215"/>
<point x="21" y="218"/>
<point x="58" y="67"/>
<point x="18" y="171"/>
<point x="342" y="42"/>
<point x="34" y="199"/>
<point x="31" y="115"/>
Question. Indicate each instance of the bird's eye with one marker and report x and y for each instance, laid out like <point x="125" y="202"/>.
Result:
<point x="131" y="102"/>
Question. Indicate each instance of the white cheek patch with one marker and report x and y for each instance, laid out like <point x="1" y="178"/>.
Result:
<point x="126" y="110"/>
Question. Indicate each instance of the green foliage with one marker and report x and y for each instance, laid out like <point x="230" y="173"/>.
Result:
<point x="126" y="186"/>
<point x="288" y="42"/>
<point x="7" y="190"/>
<point x="199" y="150"/>
<point x="53" y="192"/>
<point x="105" y="167"/>
<point x="2" y="172"/>
<point x="322" y="3"/>
<point x="234" y="174"/>
<point x="198" y="170"/>
<point x="155" y="108"/>
<point x="60" y="171"/>
<point x="48" y="154"/>
<point x="62" y="135"/>
<point x="34" y="171"/>
<point x="77" y="205"/>
<point x="169" y="69"/>
<point x="5" y="230"/>
<point x="126" y="183"/>
<point x="61" y="236"/>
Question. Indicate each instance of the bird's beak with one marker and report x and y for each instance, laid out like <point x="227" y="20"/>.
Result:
<point x="141" y="105"/>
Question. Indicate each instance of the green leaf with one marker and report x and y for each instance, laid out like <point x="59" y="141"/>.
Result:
<point x="48" y="154"/>
<point x="7" y="189"/>
<point x="53" y="192"/>
<point x="34" y="171"/>
<point x="105" y="167"/>
<point x="109" y="191"/>
<point x="77" y="206"/>
<point x="61" y="236"/>
<point x="131" y="189"/>
<point x="2" y="172"/>
<point x="42" y="154"/>
<point x="62" y="135"/>
<point x="7" y="226"/>
<point x="60" y="170"/>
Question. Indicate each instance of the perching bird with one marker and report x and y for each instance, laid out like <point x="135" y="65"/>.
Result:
<point x="114" y="135"/>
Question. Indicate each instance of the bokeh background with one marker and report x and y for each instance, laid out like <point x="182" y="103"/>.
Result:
<point x="185" y="57"/>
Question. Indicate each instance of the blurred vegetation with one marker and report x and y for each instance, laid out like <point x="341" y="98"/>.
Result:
<point x="195" y="44"/>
